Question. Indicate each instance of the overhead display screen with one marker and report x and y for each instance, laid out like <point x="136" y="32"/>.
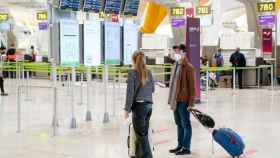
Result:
<point x="92" y="43"/>
<point x="93" y="5"/>
<point x="113" y="6"/>
<point x="131" y="7"/>
<point x="64" y="4"/>
<point x="112" y="43"/>
<point x="70" y="4"/>
<point x="130" y="41"/>
<point x="75" y="5"/>
<point x="69" y="43"/>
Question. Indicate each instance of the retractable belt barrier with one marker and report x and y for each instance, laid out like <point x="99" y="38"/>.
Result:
<point x="112" y="70"/>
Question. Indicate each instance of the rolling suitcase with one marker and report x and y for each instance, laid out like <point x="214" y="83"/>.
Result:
<point x="225" y="137"/>
<point x="131" y="141"/>
<point x="230" y="141"/>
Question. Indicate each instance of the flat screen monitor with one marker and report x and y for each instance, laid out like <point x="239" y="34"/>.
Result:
<point x="69" y="43"/>
<point x="112" y="43"/>
<point x="113" y="6"/>
<point x="75" y="5"/>
<point x="64" y="4"/>
<point x="93" y="5"/>
<point x="92" y="43"/>
<point x="70" y="4"/>
<point x="131" y="7"/>
<point x="130" y="41"/>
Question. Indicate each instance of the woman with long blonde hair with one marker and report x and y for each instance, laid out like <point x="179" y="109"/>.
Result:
<point x="139" y="100"/>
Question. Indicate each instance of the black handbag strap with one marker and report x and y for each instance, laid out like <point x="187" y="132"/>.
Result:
<point x="195" y="112"/>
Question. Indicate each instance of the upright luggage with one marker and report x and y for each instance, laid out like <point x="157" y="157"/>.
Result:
<point x="230" y="141"/>
<point x="225" y="137"/>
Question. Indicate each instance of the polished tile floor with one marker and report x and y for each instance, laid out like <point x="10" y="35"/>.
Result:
<point x="254" y="113"/>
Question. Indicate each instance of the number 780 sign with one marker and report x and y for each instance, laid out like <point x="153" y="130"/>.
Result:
<point x="266" y="7"/>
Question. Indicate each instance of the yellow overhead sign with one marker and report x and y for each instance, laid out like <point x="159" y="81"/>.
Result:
<point x="203" y="10"/>
<point x="278" y="4"/>
<point x="266" y="7"/>
<point x="177" y="11"/>
<point x="42" y="15"/>
<point x="4" y="16"/>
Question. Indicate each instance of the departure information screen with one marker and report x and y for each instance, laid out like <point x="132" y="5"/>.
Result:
<point x="112" y="43"/>
<point x="130" y="41"/>
<point x="131" y="7"/>
<point x="93" y="5"/>
<point x="69" y="43"/>
<point x="70" y="4"/>
<point x="92" y="43"/>
<point x="113" y="6"/>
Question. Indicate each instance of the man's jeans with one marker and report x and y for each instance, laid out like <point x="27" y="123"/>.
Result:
<point x="141" y="114"/>
<point x="184" y="128"/>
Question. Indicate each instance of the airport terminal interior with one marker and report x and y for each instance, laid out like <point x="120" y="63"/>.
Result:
<point x="67" y="84"/>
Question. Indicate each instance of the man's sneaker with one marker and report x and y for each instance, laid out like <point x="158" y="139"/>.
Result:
<point x="175" y="150"/>
<point x="183" y="151"/>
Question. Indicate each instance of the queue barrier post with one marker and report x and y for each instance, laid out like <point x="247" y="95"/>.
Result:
<point x="73" y="124"/>
<point x="69" y="84"/>
<point x="106" y="118"/>
<point x="54" y="74"/>
<point x="55" y="118"/>
<point x="88" y="113"/>
<point x="27" y="94"/>
<point x="258" y="76"/>
<point x="272" y="77"/>
<point x="81" y="89"/>
<point x="234" y="79"/>
<point x="18" y="110"/>
<point x="114" y="96"/>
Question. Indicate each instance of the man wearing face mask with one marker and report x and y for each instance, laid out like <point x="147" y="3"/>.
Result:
<point x="181" y="99"/>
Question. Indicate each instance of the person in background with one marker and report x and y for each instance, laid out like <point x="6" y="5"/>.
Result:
<point x="11" y="57"/>
<point x="219" y="62"/>
<point x="33" y="53"/>
<point x="2" y="73"/>
<point x="183" y="48"/>
<point x="2" y="50"/>
<point x="181" y="99"/>
<point x="139" y="100"/>
<point x="238" y="59"/>
<point x="11" y="53"/>
<point x="2" y="86"/>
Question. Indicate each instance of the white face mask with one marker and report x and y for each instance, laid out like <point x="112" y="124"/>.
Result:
<point x="177" y="57"/>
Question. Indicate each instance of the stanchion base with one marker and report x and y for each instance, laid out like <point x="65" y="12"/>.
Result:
<point x="88" y="116"/>
<point x="106" y="118"/>
<point x="73" y="124"/>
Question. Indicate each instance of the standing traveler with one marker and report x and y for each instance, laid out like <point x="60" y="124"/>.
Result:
<point x="219" y="62"/>
<point x="139" y="100"/>
<point x="33" y="53"/>
<point x="238" y="60"/>
<point x="181" y="99"/>
<point x="11" y="57"/>
<point x="2" y="77"/>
